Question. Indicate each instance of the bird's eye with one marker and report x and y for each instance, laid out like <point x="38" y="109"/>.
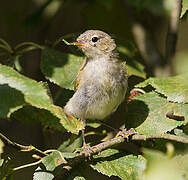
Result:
<point x="95" y="39"/>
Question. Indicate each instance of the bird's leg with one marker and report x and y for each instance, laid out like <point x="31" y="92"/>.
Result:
<point x="85" y="146"/>
<point x="83" y="137"/>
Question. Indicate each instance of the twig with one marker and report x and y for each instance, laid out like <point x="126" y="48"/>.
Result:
<point x="173" y="25"/>
<point x="120" y="139"/>
<point x="117" y="140"/>
<point x="21" y="147"/>
<point x="161" y="136"/>
<point x="27" y="165"/>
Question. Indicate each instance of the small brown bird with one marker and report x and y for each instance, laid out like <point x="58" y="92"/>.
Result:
<point x="101" y="82"/>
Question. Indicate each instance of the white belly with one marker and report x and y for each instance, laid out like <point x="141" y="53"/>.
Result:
<point x="101" y="91"/>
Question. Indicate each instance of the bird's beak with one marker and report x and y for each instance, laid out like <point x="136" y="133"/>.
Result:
<point x="78" y="43"/>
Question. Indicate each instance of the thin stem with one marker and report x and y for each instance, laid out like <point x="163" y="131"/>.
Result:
<point x="67" y="43"/>
<point x="29" y="44"/>
<point x="5" y="48"/>
<point x="27" y="165"/>
<point x="8" y="47"/>
<point x="21" y="147"/>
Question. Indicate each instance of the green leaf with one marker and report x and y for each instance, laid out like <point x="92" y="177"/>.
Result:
<point x="79" y="178"/>
<point x="128" y="53"/>
<point x="49" y="163"/>
<point x="184" y="7"/>
<point x="113" y="163"/>
<point x="136" y="69"/>
<point x="11" y="100"/>
<point x="60" y="68"/>
<point x="19" y="91"/>
<point x="30" y="114"/>
<point x="48" y="168"/>
<point x="179" y="132"/>
<point x="175" y="88"/>
<point x="6" y="172"/>
<point x="71" y="144"/>
<point x="150" y="113"/>
<point x="159" y="7"/>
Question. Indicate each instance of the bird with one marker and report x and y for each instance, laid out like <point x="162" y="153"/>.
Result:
<point x="101" y="82"/>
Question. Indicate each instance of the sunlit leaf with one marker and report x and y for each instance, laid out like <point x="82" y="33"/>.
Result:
<point x="150" y="113"/>
<point x="18" y="91"/>
<point x="113" y="163"/>
<point x="46" y="171"/>
<point x="175" y="88"/>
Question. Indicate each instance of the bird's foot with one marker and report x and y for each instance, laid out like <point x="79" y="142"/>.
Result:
<point x="86" y="150"/>
<point x="126" y="133"/>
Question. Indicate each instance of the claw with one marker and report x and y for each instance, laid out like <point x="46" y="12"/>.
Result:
<point x="126" y="133"/>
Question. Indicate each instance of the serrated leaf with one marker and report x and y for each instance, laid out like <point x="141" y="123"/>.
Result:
<point x="175" y="88"/>
<point x="113" y="163"/>
<point x="19" y="90"/>
<point x="148" y="113"/>
<point x="60" y="68"/>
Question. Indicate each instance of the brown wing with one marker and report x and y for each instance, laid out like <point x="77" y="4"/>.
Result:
<point x="79" y="75"/>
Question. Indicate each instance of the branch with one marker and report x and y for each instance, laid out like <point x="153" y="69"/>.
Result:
<point x="92" y="150"/>
<point x="161" y="136"/>
<point x="120" y="139"/>
<point x="115" y="141"/>
<point x="173" y="25"/>
<point x="21" y="147"/>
